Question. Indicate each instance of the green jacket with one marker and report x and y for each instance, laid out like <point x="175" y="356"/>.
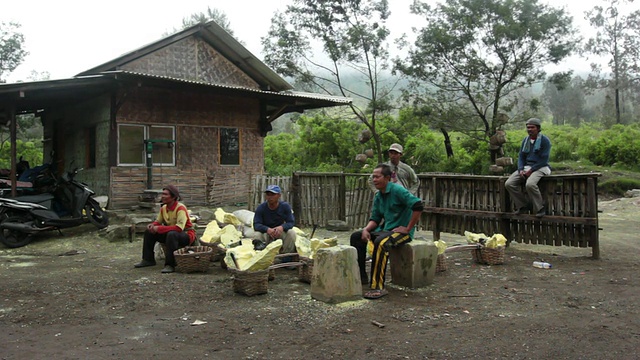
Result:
<point x="394" y="206"/>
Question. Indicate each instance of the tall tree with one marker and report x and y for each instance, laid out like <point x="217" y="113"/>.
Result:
<point x="12" y="52"/>
<point x="319" y="43"/>
<point x="565" y="101"/>
<point x="202" y="17"/>
<point x="475" y="54"/>
<point x="618" y="39"/>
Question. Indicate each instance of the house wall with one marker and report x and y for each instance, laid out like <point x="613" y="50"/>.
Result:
<point x="191" y="59"/>
<point x="65" y="134"/>
<point x="197" y="117"/>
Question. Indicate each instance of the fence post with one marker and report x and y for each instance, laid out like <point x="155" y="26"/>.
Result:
<point x="437" y="200"/>
<point x="592" y="196"/>
<point x="505" y="229"/>
<point x="295" y="195"/>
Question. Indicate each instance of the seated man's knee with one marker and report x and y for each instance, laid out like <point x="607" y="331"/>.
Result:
<point x="532" y="186"/>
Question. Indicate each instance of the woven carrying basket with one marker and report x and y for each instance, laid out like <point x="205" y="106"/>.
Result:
<point x="250" y="282"/>
<point x="441" y="263"/>
<point x="193" y="258"/>
<point x="306" y="270"/>
<point x="488" y="256"/>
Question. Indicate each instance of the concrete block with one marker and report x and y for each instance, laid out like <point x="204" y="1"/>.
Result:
<point x="336" y="277"/>
<point x="414" y="264"/>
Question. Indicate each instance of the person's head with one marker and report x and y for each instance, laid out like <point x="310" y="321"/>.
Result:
<point x="381" y="176"/>
<point x="533" y="126"/>
<point x="395" y="153"/>
<point x="170" y="194"/>
<point x="273" y="193"/>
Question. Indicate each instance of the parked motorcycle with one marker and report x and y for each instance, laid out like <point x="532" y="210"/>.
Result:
<point x="70" y="204"/>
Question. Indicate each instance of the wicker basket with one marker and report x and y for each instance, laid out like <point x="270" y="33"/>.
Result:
<point x="250" y="282"/>
<point x="193" y="258"/>
<point x="306" y="270"/>
<point x="488" y="256"/>
<point x="441" y="263"/>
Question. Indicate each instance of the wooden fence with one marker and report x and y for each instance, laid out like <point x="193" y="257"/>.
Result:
<point x="453" y="204"/>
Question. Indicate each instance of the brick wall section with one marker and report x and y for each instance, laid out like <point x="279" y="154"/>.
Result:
<point x="197" y="117"/>
<point x="191" y="59"/>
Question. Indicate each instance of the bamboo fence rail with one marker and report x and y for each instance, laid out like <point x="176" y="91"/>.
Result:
<point x="453" y="204"/>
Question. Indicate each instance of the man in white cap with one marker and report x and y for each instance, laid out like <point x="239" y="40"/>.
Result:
<point x="533" y="164"/>
<point x="274" y="220"/>
<point x="401" y="173"/>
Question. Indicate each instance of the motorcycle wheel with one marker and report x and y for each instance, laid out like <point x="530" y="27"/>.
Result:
<point x="96" y="215"/>
<point x="13" y="238"/>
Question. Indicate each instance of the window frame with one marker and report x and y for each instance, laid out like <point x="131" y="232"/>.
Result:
<point x="239" y="132"/>
<point x="146" y="132"/>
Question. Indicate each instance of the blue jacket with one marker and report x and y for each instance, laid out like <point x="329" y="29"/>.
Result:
<point x="536" y="155"/>
<point x="265" y="218"/>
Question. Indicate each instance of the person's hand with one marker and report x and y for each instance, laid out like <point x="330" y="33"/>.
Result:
<point x="152" y="228"/>
<point x="275" y="232"/>
<point x="528" y="173"/>
<point x="402" y="230"/>
<point x="523" y="173"/>
<point x="366" y="235"/>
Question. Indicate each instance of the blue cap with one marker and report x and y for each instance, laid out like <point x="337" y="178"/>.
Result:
<point x="273" y="188"/>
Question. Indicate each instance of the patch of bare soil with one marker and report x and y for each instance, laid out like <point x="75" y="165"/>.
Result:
<point x="95" y="305"/>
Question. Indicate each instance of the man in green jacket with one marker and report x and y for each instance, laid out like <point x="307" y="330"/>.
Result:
<point x="400" y="211"/>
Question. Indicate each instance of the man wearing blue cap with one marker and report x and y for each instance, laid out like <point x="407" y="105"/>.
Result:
<point x="274" y="220"/>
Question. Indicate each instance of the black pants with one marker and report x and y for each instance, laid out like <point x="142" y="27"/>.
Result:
<point x="382" y="242"/>
<point x="173" y="240"/>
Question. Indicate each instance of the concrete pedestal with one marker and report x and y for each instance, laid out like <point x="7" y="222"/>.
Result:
<point x="336" y="277"/>
<point x="414" y="264"/>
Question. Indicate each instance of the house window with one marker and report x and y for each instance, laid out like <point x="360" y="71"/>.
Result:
<point x="90" y="148"/>
<point x="131" y="144"/>
<point x="229" y="146"/>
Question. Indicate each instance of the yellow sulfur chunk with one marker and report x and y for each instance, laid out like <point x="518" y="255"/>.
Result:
<point x="320" y="244"/>
<point x="303" y="246"/>
<point x="242" y="254"/>
<point x="209" y="232"/>
<point x="474" y="238"/>
<point x="495" y="241"/>
<point x="259" y="260"/>
<point x="226" y="218"/>
<point x="441" y="245"/>
<point x="229" y="235"/>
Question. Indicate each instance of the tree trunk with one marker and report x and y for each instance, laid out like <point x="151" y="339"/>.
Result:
<point x="447" y="142"/>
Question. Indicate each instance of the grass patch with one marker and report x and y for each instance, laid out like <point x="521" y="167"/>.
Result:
<point x="614" y="181"/>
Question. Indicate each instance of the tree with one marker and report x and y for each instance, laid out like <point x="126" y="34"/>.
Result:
<point x="11" y="48"/>
<point x="618" y="39"/>
<point x="320" y="43"/>
<point x="200" y="18"/>
<point x="565" y="101"/>
<point x="473" y="56"/>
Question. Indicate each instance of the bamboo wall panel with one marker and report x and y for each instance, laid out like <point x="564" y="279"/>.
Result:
<point x="128" y="184"/>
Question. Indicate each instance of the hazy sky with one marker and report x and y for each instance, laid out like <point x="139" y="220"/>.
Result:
<point x="66" y="37"/>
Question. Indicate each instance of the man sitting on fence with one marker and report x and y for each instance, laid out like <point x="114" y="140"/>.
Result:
<point x="533" y="164"/>
<point x="274" y="220"/>
<point x="400" y="211"/>
<point x="172" y="228"/>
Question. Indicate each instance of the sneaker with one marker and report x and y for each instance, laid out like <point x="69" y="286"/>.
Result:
<point x="522" y="210"/>
<point x="542" y="212"/>
<point x="167" y="269"/>
<point x="144" y="263"/>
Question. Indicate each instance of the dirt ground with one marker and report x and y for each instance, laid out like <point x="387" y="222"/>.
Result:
<point x="95" y="305"/>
